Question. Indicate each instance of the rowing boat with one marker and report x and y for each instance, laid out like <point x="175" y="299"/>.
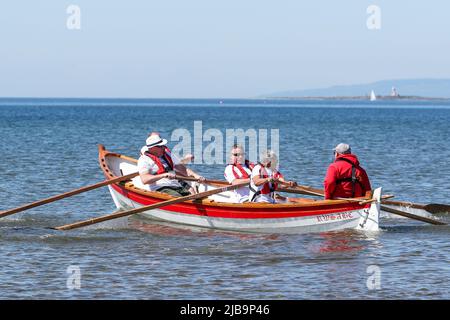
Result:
<point x="218" y="212"/>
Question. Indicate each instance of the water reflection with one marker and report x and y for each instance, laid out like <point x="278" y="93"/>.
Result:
<point x="162" y="228"/>
<point x="344" y="241"/>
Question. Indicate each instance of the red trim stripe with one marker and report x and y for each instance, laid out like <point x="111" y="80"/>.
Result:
<point x="238" y="212"/>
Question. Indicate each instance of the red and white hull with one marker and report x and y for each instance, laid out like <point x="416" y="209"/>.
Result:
<point x="261" y="221"/>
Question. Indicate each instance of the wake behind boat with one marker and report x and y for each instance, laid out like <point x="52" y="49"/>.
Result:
<point x="218" y="212"/>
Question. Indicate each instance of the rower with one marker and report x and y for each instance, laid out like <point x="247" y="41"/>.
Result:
<point x="239" y="171"/>
<point x="157" y="168"/>
<point x="265" y="179"/>
<point x="345" y="178"/>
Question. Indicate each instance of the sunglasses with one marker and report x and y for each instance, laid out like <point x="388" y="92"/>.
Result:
<point x="237" y="154"/>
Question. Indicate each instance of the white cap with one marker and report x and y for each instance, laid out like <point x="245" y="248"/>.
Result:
<point x="343" y="148"/>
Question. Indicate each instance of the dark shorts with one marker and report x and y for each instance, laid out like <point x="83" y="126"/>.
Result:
<point x="175" y="191"/>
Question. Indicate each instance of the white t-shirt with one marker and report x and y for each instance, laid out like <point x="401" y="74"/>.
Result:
<point x="242" y="193"/>
<point x="147" y="165"/>
<point x="261" y="197"/>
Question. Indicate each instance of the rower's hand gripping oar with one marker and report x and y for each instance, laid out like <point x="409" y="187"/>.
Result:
<point x="67" y="194"/>
<point x="149" y="207"/>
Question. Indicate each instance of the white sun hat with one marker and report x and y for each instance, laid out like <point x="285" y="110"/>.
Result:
<point x="155" y="140"/>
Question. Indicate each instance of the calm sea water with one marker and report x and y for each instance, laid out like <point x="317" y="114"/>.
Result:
<point x="50" y="146"/>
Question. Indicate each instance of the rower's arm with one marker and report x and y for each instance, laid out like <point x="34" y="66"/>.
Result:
<point x="258" y="181"/>
<point x="286" y="183"/>
<point x="237" y="181"/>
<point x="329" y="183"/>
<point x="181" y="170"/>
<point x="184" y="171"/>
<point x="145" y="171"/>
<point x="148" y="178"/>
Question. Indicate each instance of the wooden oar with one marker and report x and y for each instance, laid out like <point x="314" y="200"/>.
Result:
<point x="318" y="192"/>
<point x="149" y="207"/>
<point x="412" y="216"/>
<point x="207" y="181"/>
<point x="301" y="190"/>
<point x="66" y="194"/>
<point x="431" y="207"/>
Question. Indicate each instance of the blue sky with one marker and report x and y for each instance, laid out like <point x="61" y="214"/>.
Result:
<point x="208" y="48"/>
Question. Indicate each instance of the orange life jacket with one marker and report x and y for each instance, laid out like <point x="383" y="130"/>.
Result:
<point x="267" y="187"/>
<point x="165" y="157"/>
<point x="244" y="173"/>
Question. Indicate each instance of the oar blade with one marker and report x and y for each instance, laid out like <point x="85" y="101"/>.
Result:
<point x="66" y="194"/>
<point x="412" y="216"/>
<point x="437" y="208"/>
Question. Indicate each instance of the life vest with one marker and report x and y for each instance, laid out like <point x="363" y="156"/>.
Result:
<point x="245" y="175"/>
<point x="277" y="175"/>
<point x="268" y="187"/>
<point x="353" y="179"/>
<point x="166" y="159"/>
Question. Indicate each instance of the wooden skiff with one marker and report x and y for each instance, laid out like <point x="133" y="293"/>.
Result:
<point x="217" y="212"/>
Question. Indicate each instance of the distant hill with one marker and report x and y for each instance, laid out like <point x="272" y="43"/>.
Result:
<point x="433" y="88"/>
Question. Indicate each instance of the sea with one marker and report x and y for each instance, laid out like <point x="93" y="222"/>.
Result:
<point x="49" y="146"/>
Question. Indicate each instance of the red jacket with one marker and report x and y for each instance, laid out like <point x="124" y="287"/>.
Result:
<point x="342" y="169"/>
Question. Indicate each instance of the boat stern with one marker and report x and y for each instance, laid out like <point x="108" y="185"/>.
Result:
<point x="369" y="221"/>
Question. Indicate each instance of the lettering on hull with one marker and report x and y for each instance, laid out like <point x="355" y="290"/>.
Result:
<point x="335" y="217"/>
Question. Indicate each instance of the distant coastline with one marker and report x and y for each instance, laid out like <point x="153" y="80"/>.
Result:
<point x="421" y="89"/>
<point x="363" y="98"/>
<point x="115" y="100"/>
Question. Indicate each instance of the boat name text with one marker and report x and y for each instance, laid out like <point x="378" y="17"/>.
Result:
<point x="334" y="217"/>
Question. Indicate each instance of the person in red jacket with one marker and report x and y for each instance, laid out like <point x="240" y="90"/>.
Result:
<point x="345" y="178"/>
